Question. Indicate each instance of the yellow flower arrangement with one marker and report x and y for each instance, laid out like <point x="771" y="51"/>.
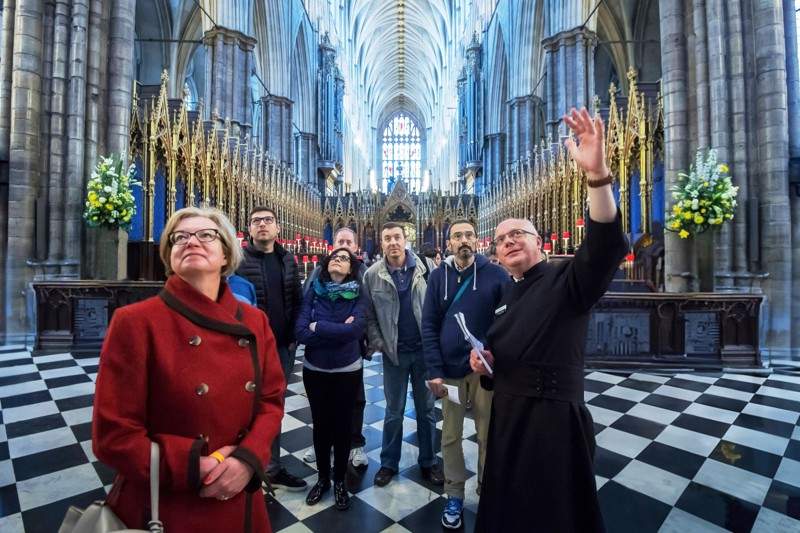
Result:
<point x="704" y="198"/>
<point x="109" y="196"/>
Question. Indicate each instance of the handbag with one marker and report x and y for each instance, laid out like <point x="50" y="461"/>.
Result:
<point x="99" y="518"/>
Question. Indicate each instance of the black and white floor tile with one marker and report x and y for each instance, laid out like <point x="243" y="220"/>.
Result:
<point x="677" y="452"/>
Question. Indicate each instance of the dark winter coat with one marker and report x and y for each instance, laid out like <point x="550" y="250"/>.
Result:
<point x="446" y="351"/>
<point x="333" y="344"/>
<point x="253" y="269"/>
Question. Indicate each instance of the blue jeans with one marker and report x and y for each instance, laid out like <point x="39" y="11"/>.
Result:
<point x="287" y="364"/>
<point x="395" y="386"/>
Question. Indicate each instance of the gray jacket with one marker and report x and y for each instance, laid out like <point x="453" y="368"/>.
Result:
<point x="384" y="308"/>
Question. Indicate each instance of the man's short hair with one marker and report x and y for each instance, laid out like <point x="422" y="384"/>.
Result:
<point x="393" y="225"/>
<point x="260" y="208"/>
<point x="346" y="228"/>
<point x="459" y="221"/>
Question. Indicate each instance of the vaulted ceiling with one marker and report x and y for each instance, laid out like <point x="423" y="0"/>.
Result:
<point x="400" y="48"/>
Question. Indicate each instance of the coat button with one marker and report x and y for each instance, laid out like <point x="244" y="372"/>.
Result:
<point x="201" y="389"/>
<point x="244" y="342"/>
<point x="195" y="341"/>
<point x="250" y="386"/>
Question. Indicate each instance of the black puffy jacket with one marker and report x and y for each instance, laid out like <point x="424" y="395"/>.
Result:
<point x="252" y="268"/>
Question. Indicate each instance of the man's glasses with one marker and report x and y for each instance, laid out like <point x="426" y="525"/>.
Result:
<point x="457" y="236"/>
<point x="256" y="221"/>
<point x="512" y="236"/>
<point x="340" y="258"/>
<point x="181" y="238"/>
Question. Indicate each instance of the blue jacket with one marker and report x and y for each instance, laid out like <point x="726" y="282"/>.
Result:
<point x="446" y="351"/>
<point x="334" y="344"/>
<point x="242" y="289"/>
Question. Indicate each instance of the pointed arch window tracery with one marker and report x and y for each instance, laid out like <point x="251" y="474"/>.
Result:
<point x="401" y="153"/>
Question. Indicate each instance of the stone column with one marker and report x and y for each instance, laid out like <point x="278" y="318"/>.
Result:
<point x="793" y="82"/>
<point x="277" y="127"/>
<point x="570" y="75"/>
<point x="23" y="157"/>
<point x="306" y="165"/>
<point x="228" y="76"/>
<point x="674" y="76"/>
<point x="527" y="129"/>
<point x="494" y="158"/>
<point x="772" y="135"/>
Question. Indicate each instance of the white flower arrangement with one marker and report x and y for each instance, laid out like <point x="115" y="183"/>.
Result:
<point x="109" y="194"/>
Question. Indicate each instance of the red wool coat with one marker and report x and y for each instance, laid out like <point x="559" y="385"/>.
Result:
<point x="192" y="375"/>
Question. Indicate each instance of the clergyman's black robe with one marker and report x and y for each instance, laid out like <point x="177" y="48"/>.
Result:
<point x="539" y="474"/>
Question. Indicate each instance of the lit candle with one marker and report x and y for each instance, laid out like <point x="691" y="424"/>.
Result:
<point x="305" y="265"/>
<point x="554" y="241"/>
<point x="565" y="237"/>
<point x="314" y="260"/>
<point x="547" y="249"/>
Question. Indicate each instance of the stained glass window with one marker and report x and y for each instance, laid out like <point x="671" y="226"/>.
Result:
<point x="401" y="154"/>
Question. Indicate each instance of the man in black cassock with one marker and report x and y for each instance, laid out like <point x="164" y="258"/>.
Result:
<point x="539" y="474"/>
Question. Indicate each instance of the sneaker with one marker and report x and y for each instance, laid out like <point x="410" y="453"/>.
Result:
<point x="453" y="512"/>
<point x="287" y="481"/>
<point x="358" y="457"/>
<point x="310" y="456"/>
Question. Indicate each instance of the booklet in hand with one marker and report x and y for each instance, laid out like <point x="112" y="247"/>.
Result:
<point x="470" y="338"/>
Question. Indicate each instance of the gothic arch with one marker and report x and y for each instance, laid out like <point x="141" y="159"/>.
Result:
<point x="302" y="83"/>
<point x="153" y="21"/>
<point x="497" y="89"/>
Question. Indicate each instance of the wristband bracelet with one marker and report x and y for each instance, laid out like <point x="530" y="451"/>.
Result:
<point x="608" y="180"/>
<point x="218" y="456"/>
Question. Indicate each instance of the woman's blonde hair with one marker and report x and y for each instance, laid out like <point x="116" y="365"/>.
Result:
<point x="227" y="236"/>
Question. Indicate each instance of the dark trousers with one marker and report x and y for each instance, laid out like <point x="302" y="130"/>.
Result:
<point x="332" y="397"/>
<point x="357" y="439"/>
<point x="287" y="364"/>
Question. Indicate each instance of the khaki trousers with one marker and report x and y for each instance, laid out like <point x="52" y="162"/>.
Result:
<point x="455" y="470"/>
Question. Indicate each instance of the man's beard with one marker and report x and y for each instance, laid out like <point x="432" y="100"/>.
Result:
<point x="463" y="249"/>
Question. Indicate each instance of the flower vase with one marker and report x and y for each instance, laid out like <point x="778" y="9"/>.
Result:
<point x="704" y="252"/>
<point x="111" y="254"/>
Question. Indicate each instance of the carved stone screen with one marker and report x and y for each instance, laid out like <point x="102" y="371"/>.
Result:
<point x="618" y="334"/>
<point x="91" y="318"/>
<point x="701" y="333"/>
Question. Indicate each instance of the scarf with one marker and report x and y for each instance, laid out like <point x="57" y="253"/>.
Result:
<point x="333" y="291"/>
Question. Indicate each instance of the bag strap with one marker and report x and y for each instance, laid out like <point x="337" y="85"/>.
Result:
<point x="460" y="292"/>
<point x="155" y="524"/>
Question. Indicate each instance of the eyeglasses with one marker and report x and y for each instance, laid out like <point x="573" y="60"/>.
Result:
<point x="514" y="235"/>
<point x="340" y="258"/>
<point x="457" y="236"/>
<point x="181" y="238"/>
<point x="256" y="221"/>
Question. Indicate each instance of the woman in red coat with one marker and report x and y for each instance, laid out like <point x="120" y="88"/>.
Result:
<point x="197" y="372"/>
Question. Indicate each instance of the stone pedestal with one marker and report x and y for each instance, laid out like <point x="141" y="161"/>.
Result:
<point x="570" y="75"/>
<point x="111" y="253"/>
<point x="704" y="254"/>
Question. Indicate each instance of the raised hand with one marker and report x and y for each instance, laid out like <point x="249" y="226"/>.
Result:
<point x="590" y="151"/>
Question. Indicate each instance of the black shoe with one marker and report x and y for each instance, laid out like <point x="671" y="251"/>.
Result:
<point x="433" y="474"/>
<point x="318" y="491"/>
<point x="287" y="481"/>
<point x="341" y="496"/>
<point x="384" y="476"/>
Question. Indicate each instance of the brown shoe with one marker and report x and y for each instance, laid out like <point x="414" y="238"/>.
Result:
<point x="433" y="474"/>
<point x="383" y="476"/>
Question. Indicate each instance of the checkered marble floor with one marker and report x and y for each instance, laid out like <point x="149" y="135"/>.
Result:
<point x="677" y="452"/>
